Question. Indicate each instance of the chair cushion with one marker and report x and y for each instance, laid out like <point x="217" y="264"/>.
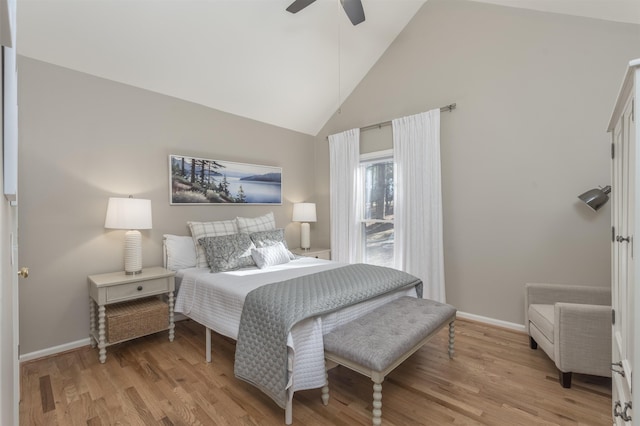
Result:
<point x="542" y="317"/>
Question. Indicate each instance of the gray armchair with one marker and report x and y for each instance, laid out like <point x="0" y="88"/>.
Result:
<point x="572" y="324"/>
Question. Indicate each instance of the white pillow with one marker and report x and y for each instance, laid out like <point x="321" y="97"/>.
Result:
<point x="276" y="254"/>
<point x="180" y="252"/>
<point x="209" y="229"/>
<point x="248" y="225"/>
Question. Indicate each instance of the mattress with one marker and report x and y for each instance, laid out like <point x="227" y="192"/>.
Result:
<point x="215" y="300"/>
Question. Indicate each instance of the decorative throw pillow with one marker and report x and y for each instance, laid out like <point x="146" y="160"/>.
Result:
<point x="209" y="229"/>
<point x="180" y="252"/>
<point x="270" y="238"/>
<point x="276" y="254"/>
<point x="228" y="252"/>
<point x="260" y="223"/>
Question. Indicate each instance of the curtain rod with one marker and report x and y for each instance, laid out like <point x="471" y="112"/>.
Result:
<point x="446" y="108"/>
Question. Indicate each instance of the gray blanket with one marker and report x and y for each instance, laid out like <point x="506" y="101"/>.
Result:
<point x="271" y="311"/>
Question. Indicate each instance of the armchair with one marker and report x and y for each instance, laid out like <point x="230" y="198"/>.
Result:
<point x="572" y="325"/>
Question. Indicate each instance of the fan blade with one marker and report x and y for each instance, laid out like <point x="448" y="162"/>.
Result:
<point x="354" y="10"/>
<point x="298" y="5"/>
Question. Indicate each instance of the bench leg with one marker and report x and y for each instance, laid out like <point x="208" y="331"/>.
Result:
<point x="328" y="365"/>
<point x="377" y="402"/>
<point x="325" y="389"/>
<point x="452" y="336"/>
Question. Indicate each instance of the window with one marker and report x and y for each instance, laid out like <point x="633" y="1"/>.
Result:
<point x="377" y="218"/>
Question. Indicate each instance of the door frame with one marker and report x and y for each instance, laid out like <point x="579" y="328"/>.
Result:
<point x="9" y="328"/>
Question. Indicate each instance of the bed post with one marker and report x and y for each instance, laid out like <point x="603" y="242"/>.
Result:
<point x="288" y="409"/>
<point x="208" y="344"/>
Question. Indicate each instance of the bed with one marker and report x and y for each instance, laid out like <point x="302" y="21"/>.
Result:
<point x="217" y="299"/>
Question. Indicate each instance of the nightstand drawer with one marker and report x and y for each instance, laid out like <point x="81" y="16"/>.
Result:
<point x="318" y="253"/>
<point x="326" y="255"/>
<point x="137" y="289"/>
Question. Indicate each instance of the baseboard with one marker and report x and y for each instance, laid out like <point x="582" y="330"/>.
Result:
<point x="492" y="321"/>
<point x="85" y="342"/>
<point x="55" y="350"/>
<point x="71" y="345"/>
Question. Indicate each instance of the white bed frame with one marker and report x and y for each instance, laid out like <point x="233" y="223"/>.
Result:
<point x="288" y="410"/>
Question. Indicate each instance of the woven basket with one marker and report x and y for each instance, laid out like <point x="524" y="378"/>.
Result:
<point x="134" y="319"/>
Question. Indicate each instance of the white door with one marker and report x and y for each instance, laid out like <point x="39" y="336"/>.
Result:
<point x="623" y="265"/>
<point x="9" y="352"/>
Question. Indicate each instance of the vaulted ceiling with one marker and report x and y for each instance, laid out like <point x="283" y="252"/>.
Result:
<point x="246" y="57"/>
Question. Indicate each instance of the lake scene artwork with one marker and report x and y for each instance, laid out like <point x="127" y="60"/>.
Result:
<point x="199" y="181"/>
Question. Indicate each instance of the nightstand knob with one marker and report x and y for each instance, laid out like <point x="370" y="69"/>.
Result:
<point x="139" y="288"/>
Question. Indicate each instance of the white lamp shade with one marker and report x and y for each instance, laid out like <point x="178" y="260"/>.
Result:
<point x="304" y="212"/>
<point x="131" y="214"/>
<point x="128" y="213"/>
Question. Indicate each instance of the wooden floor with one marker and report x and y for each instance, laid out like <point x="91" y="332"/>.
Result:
<point x="494" y="379"/>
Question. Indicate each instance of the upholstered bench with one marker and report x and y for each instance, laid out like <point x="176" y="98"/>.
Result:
<point x="379" y="341"/>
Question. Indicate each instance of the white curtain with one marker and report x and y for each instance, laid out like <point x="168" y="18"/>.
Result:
<point x="418" y="200"/>
<point x="344" y="155"/>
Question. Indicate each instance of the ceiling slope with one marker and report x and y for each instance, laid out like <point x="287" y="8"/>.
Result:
<point x="250" y="58"/>
<point x="246" y="57"/>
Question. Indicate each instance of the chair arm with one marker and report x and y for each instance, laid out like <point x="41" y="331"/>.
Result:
<point x="582" y="338"/>
<point x="548" y="294"/>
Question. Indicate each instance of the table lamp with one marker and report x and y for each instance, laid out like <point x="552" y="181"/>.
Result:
<point x="130" y="214"/>
<point x="305" y="213"/>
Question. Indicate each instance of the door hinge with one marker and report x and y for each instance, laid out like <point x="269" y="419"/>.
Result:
<point x="613" y="234"/>
<point x="613" y="317"/>
<point x="613" y="150"/>
<point x="633" y="110"/>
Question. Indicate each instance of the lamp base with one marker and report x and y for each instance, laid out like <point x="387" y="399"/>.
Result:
<point x="305" y="236"/>
<point x="132" y="252"/>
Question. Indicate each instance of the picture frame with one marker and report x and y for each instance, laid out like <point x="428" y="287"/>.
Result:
<point x="203" y="181"/>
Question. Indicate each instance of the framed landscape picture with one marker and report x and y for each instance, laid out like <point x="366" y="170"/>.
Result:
<point x="197" y="181"/>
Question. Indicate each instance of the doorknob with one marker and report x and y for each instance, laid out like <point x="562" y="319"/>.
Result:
<point x="23" y="272"/>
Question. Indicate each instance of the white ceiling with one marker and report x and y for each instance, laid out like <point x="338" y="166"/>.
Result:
<point x="246" y="57"/>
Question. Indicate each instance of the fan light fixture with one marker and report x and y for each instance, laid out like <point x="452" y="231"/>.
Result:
<point x="353" y="9"/>
<point x="596" y="197"/>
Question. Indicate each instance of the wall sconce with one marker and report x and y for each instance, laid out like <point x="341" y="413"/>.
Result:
<point x="596" y="198"/>
<point x="304" y="212"/>
<point x="131" y="214"/>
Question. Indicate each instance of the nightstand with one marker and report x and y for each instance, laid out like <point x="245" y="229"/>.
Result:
<point x="318" y="253"/>
<point x="116" y="287"/>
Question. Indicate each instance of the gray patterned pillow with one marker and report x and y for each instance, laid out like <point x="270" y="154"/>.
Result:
<point x="276" y="254"/>
<point x="228" y="252"/>
<point x="209" y="229"/>
<point x="270" y="238"/>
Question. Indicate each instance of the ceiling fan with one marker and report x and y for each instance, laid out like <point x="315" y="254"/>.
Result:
<point x="353" y="9"/>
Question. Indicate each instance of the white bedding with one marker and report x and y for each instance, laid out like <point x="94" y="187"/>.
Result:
<point x="215" y="300"/>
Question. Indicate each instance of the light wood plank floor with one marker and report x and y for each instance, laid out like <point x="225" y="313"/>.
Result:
<point x="494" y="379"/>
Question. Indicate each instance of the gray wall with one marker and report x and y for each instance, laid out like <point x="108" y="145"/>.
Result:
<point x="534" y="93"/>
<point x="84" y="139"/>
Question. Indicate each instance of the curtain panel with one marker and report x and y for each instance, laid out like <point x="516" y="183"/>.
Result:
<point x="344" y="157"/>
<point x="418" y="245"/>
